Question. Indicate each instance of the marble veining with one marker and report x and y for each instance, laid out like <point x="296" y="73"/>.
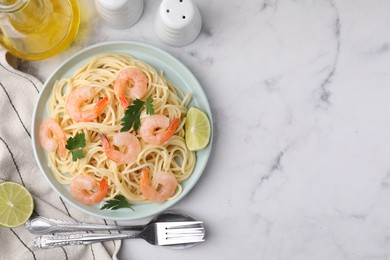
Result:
<point x="299" y="91"/>
<point x="325" y="93"/>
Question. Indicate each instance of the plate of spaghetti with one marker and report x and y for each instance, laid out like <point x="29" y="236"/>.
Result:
<point x="109" y="130"/>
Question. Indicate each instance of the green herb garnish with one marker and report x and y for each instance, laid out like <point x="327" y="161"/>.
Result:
<point x="118" y="202"/>
<point x="133" y="113"/>
<point x="75" y="145"/>
<point x="149" y="106"/>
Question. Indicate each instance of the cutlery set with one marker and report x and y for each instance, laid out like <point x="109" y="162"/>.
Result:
<point x="167" y="229"/>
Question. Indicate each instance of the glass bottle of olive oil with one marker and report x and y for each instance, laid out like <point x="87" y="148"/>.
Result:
<point x="38" y="29"/>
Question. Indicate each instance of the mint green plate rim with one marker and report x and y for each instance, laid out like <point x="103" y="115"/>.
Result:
<point x="174" y="70"/>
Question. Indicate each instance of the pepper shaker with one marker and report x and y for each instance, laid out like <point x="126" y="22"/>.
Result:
<point x="119" y="14"/>
<point x="177" y="22"/>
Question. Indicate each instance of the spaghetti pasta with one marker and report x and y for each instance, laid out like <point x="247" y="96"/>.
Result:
<point x="100" y="74"/>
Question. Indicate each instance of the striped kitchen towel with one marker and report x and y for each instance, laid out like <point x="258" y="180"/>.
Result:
<point x="18" y="94"/>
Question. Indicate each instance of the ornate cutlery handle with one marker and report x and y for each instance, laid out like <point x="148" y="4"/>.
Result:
<point x="42" y="225"/>
<point x="50" y="241"/>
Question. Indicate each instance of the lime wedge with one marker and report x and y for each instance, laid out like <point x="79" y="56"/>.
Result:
<point x="197" y="129"/>
<point x="16" y="204"/>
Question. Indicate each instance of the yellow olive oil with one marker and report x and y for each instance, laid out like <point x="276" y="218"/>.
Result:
<point x="39" y="29"/>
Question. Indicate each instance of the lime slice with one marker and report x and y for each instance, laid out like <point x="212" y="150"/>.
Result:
<point x="16" y="204"/>
<point x="197" y="129"/>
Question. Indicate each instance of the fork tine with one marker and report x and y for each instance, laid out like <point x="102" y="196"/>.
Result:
<point x="184" y="236"/>
<point x="172" y="225"/>
<point x="185" y="231"/>
<point x="170" y="233"/>
<point x="182" y="240"/>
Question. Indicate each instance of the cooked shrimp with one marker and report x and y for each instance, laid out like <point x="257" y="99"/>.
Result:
<point x="86" y="190"/>
<point x="153" y="123"/>
<point x="165" y="181"/>
<point x="129" y="141"/>
<point x="76" y="99"/>
<point x="52" y="137"/>
<point x="133" y="78"/>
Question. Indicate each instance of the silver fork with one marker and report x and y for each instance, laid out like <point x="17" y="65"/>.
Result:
<point x="161" y="234"/>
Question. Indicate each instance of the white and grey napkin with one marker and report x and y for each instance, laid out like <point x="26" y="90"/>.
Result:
<point x="18" y="94"/>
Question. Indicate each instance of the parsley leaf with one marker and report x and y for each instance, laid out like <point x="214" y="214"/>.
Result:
<point x="75" y="145"/>
<point x="149" y="106"/>
<point x="119" y="201"/>
<point x="133" y="114"/>
<point x="77" y="154"/>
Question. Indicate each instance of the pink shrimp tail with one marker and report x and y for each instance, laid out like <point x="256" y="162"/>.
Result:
<point x="173" y="126"/>
<point x="61" y="148"/>
<point x="144" y="181"/>
<point x="100" y="105"/>
<point x="103" y="186"/>
<point x="145" y="176"/>
<point x="170" y="130"/>
<point x="124" y="102"/>
<point x="105" y="143"/>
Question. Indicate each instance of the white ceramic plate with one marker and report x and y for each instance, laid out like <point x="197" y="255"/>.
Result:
<point x="174" y="70"/>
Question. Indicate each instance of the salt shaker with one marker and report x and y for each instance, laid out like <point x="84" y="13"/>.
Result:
<point x="177" y="22"/>
<point x="119" y="14"/>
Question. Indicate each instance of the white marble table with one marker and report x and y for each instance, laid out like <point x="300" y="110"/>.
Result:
<point x="300" y="91"/>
